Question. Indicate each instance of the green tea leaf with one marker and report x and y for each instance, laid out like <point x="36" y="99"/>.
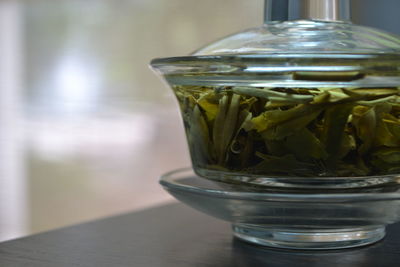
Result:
<point x="286" y="164"/>
<point x="348" y="144"/>
<point x="289" y="127"/>
<point x="280" y="121"/>
<point x="296" y="131"/>
<point x="277" y="104"/>
<point x="199" y="137"/>
<point x="327" y="75"/>
<point x="276" y="147"/>
<point x="388" y="155"/>
<point x="230" y="122"/>
<point x="364" y="121"/>
<point x="393" y="125"/>
<point x="218" y="128"/>
<point x="378" y="101"/>
<point x="305" y="146"/>
<point x="243" y="119"/>
<point x="344" y="169"/>
<point x="241" y="150"/>
<point x="335" y="120"/>
<point x="247" y="103"/>
<point x="205" y="102"/>
<point x="383" y="135"/>
<point x="242" y="143"/>
<point x="225" y="125"/>
<point x="269" y="93"/>
<point x="383" y="92"/>
<point x="387" y="160"/>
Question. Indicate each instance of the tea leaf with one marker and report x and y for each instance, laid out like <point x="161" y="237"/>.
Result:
<point x="393" y="125"/>
<point x="348" y="144"/>
<point x="276" y="147"/>
<point x="279" y="130"/>
<point x="268" y="93"/>
<point x="350" y="170"/>
<point x="218" y="128"/>
<point x="388" y="155"/>
<point x="286" y="164"/>
<point x="230" y="122"/>
<point x="335" y="120"/>
<point x="383" y="136"/>
<point x="277" y="104"/>
<point x="387" y="160"/>
<point x="327" y="75"/>
<point x="378" y="101"/>
<point x="280" y="121"/>
<point x="295" y="131"/>
<point x="383" y="92"/>
<point x="210" y="108"/>
<point x="305" y="146"/>
<point x="199" y="137"/>
<point x="364" y="120"/>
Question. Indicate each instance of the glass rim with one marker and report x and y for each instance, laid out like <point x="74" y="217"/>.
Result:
<point x="380" y="64"/>
<point x="274" y="55"/>
<point x="170" y="181"/>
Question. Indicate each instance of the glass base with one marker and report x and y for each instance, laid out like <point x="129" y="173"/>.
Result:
<point x="308" y="239"/>
<point x="261" y="181"/>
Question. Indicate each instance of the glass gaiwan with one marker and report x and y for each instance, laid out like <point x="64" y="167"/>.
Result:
<point x="307" y="104"/>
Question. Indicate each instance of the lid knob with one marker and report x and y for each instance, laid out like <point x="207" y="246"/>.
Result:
<point x="325" y="10"/>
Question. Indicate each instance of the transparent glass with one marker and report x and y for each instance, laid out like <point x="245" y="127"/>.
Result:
<point x="289" y="218"/>
<point x="293" y="104"/>
<point x="305" y="36"/>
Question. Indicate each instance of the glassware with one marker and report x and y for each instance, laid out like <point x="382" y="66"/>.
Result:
<point x="287" y="218"/>
<point x="316" y="97"/>
<point x="300" y="120"/>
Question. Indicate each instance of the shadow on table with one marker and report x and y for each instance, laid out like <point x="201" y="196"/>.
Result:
<point x="245" y="254"/>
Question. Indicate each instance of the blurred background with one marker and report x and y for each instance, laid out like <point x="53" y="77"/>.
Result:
<point x="86" y="128"/>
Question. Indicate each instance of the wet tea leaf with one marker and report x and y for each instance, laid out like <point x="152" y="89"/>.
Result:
<point x="305" y="146"/>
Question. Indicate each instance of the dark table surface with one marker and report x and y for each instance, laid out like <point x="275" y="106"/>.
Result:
<point x="174" y="235"/>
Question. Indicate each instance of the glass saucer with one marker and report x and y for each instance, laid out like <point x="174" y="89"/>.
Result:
<point x="291" y="218"/>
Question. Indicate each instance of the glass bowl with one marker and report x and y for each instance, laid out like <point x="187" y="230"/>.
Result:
<point x="268" y="118"/>
<point x="293" y="99"/>
<point x="291" y="218"/>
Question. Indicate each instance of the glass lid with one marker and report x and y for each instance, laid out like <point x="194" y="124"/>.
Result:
<point x="305" y="36"/>
<point x="296" y="29"/>
<point x="306" y="26"/>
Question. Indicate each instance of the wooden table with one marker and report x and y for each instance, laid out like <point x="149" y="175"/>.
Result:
<point x="175" y="235"/>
